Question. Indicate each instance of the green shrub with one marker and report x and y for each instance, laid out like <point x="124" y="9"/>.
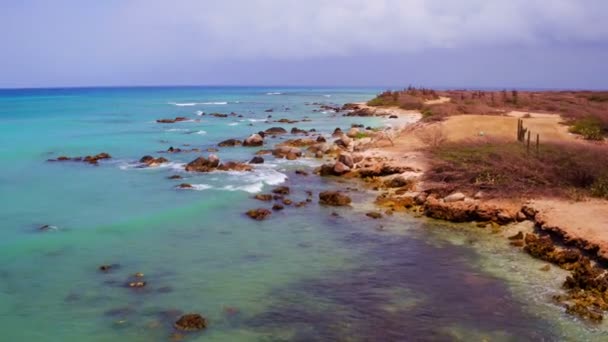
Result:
<point x="590" y="128"/>
<point x="361" y="135"/>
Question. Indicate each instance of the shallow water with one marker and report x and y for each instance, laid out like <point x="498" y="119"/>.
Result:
<point x="304" y="274"/>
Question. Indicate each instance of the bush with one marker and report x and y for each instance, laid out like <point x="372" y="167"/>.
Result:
<point x="505" y="168"/>
<point x="590" y="128"/>
<point x="599" y="188"/>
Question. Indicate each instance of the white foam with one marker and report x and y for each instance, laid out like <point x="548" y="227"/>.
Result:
<point x="250" y="188"/>
<point x="200" y="112"/>
<point x="184" y="104"/>
<point x="233" y="124"/>
<point x="201" y="132"/>
<point x="327" y="95"/>
<point x="274" y="93"/>
<point x="214" y="103"/>
<point x="257" y="120"/>
<point x="141" y="166"/>
<point x="177" y="130"/>
<point x="190" y="104"/>
<point x="201" y="187"/>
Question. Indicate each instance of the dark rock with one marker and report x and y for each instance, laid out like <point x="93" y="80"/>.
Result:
<point x="191" y="322"/>
<point x="287" y="201"/>
<point x="278" y="207"/>
<point x="185" y="186"/>
<point x="275" y="130"/>
<point x="518" y="236"/>
<point x="175" y="177"/>
<point x="334" y="198"/>
<point x="263" y="197"/>
<point x="201" y="164"/>
<point x="230" y="143"/>
<point x="258" y="214"/>
<point x="374" y="215"/>
<point x="301" y="172"/>
<point x="254" y="140"/>
<point x="151" y="161"/>
<point x="257" y="160"/>
<point x="321" y="139"/>
<point x="347" y="160"/>
<point x="177" y="119"/>
<point x="281" y="190"/>
<point x="393" y="117"/>
<point x="397" y="182"/>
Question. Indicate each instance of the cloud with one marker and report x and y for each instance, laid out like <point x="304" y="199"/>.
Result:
<point x="312" y="28"/>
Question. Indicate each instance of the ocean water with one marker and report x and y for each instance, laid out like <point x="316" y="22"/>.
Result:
<point x="307" y="274"/>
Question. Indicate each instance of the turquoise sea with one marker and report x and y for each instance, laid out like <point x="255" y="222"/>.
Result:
<point x="303" y="274"/>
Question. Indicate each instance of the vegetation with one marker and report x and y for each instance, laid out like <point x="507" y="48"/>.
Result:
<point x="590" y="128"/>
<point x="505" y="169"/>
<point x="573" y="105"/>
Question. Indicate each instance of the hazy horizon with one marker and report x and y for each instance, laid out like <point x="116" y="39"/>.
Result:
<point x="539" y="44"/>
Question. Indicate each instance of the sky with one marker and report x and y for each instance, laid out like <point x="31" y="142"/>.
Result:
<point x="437" y="43"/>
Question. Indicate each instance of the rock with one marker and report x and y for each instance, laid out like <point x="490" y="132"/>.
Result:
<point x="397" y="182"/>
<point x="347" y="160"/>
<point x="539" y="247"/>
<point x="287" y="201"/>
<point x="290" y="153"/>
<point x="234" y="166"/>
<point x="254" y="140"/>
<point x="277" y="207"/>
<point x="455" y="197"/>
<point x="257" y="160"/>
<point x="301" y="172"/>
<point x="106" y="267"/>
<point x="219" y="115"/>
<point x="212" y="149"/>
<point x="177" y="119"/>
<point x="343" y="142"/>
<point x="275" y="130"/>
<point x="340" y="169"/>
<point x="478" y="195"/>
<point x="352" y="132"/>
<point x="583" y="311"/>
<point x="263" y="152"/>
<point x="395" y="203"/>
<point x="420" y="198"/>
<point x="151" y="161"/>
<point x="281" y="190"/>
<point x="201" y="164"/>
<point x="185" y="186"/>
<point x="393" y="117"/>
<point x="545" y="268"/>
<point x="373" y="214"/>
<point x="258" y="214"/>
<point x="337" y="132"/>
<point x="191" y="322"/>
<point x="334" y="198"/>
<point x="321" y="139"/>
<point x="136" y="284"/>
<point x="175" y="177"/>
<point x="296" y="130"/>
<point x="518" y="236"/>
<point x="94" y="159"/>
<point x="230" y="143"/>
<point x="299" y="142"/>
<point x="520" y="216"/>
<point x="263" y="197"/>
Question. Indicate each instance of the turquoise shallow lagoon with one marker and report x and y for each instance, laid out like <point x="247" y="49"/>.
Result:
<point x="304" y="274"/>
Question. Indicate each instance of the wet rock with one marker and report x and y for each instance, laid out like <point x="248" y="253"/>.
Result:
<point x="352" y="132"/>
<point x="281" y="190"/>
<point x="191" y="322"/>
<point x="398" y="182"/>
<point x="520" y="216"/>
<point x="539" y="247"/>
<point x="177" y="119"/>
<point x="455" y="197"/>
<point x="340" y="169"/>
<point x="254" y="140"/>
<point x="175" y="177"/>
<point x="287" y="201"/>
<point x="277" y="207"/>
<point x="296" y="130"/>
<point x="257" y="160"/>
<point x="393" y="117"/>
<point x="337" y="132"/>
<point x="334" y="198"/>
<point x="275" y="131"/>
<point x="301" y="172"/>
<point x="258" y="214"/>
<point x="136" y="284"/>
<point x="108" y="267"/>
<point x="373" y="214"/>
<point x="299" y="142"/>
<point x="287" y="152"/>
<point x="234" y="166"/>
<point x="321" y="139"/>
<point x="201" y="164"/>
<point x="263" y="197"/>
<point x="347" y="160"/>
<point x="263" y="152"/>
<point x="219" y="115"/>
<point x="151" y="161"/>
<point x="94" y="159"/>
<point x="230" y="143"/>
<point x="343" y="142"/>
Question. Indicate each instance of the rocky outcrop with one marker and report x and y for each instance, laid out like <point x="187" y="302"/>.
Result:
<point x="281" y="190"/>
<point x="230" y="143"/>
<point x="258" y="214"/>
<point x="151" y="161"/>
<point x="177" y="119"/>
<point x="201" y="164"/>
<point x="334" y="198"/>
<point x="254" y="140"/>
<point x="191" y="322"/>
<point x="287" y="152"/>
<point x="88" y="159"/>
<point x="275" y="131"/>
<point x="257" y="160"/>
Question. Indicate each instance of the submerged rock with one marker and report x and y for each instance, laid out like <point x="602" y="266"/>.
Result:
<point x="374" y="215"/>
<point x="177" y="119"/>
<point x="201" y="164"/>
<point x="263" y="197"/>
<point x="257" y="160"/>
<point x="281" y="190"/>
<point x="230" y="143"/>
<point x="334" y="198"/>
<point x="191" y="322"/>
<point x="151" y="161"/>
<point x="275" y="130"/>
<point x="258" y="214"/>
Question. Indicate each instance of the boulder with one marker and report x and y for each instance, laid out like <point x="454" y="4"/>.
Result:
<point x="352" y="132"/>
<point x="201" y="164"/>
<point x="257" y="160"/>
<point x="254" y="140"/>
<point x="296" y="130"/>
<point x="258" y="214"/>
<point x="286" y="151"/>
<point x="230" y="143"/>
<point x="234" y="166"/>
<point x="275" y="130"/>
<point x="397" y="182"/>
<point x="185" y="186"/>
<point x="337" y="132"/>
<point x="340" y="169"/>
<point x="281" y="190"/>
<point x="347" y="160"/>
<point x="151" y="161"/>
<point x="321" y="139"/>
<point x="334" y="198"/>
<point x="343" y="142"/>
<point x="455" y="197"/>
<point x="191" y="322"/>
<point x="263" y="197"/>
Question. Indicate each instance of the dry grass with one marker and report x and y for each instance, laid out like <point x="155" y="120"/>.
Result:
<point x="505" y="169"/>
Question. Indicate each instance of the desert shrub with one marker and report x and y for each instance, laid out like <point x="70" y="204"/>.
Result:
<point x="361" y="135"/>
<point x="590" y="128"/>
<point x="432" y="136"/>
<point x="506" y="169"/>
<point x="599" y="188"/>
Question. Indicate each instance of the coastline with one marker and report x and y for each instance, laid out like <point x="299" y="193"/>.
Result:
<point x="565" y="233"/>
